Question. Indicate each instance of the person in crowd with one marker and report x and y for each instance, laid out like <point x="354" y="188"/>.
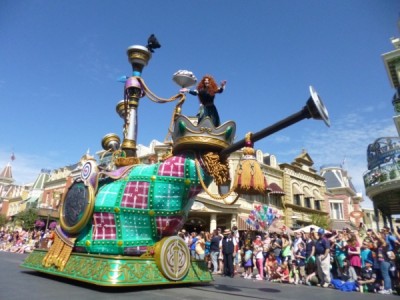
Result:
<point x="270" y="265"/>
<point x="390" y="239"/>
<point x="310" y="252"/>
<point x="381" y="249"/>
<point x="236" y="258"/>
<point x="259" y="262"/>
<point x="266" y="244"/>
<point x="200" y="246"/>
<point x="51" y="237"/>
<point x="186" y="237"/>
<point x="276" y="248"/>
<point x="300" y="257"/>
<point x="353" y="252"/>
<point x="299" y="238"/>
<point x="221" y="256"/>
<point x="192" y="246"/>
<point x="366" y="253"/>
<point x="257" y="242"/>
<point x="248" y="262"/>
<point x="339" y="250"/>
<point x="214" y="250"/>
<point x="367" y="279"/>
<point x="282" y="273"/>
<point x="286" y="248"/>
<point x="323" y="258"/>
<point x="228" y="251"/>
<point x="294" y="276"/>
<point x="348" y="272"/>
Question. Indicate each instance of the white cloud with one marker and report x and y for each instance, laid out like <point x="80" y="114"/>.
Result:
<point x="348" y="138"/>
<point x="26" y="167"/>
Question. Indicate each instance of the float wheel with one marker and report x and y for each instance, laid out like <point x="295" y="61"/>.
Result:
<point x="172" y="257"/>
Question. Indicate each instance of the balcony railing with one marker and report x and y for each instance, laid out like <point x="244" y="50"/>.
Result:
<point x="386" y="173"/>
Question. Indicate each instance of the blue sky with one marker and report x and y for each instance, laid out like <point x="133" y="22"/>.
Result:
<point x="60" y="60"/>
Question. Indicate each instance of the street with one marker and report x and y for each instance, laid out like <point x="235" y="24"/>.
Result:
<point x="18" y="284"/>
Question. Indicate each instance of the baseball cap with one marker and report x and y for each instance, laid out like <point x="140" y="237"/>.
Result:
<point x="321" y="231"/>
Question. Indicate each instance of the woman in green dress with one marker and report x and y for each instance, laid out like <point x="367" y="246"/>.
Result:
<point x="206" y="90"/>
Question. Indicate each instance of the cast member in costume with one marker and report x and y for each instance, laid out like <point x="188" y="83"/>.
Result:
<point x="206" y="90"/>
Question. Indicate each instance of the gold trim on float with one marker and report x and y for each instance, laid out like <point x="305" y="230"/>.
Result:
<point x="128" y="144"/>
<point x="116" y="271"/>
<point x="198" y="141"/>
<point x="75" y="229"/>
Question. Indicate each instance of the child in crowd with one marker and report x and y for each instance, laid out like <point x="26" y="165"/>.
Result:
<point x="270" y="265"/>
<point x="300" y="257"/>
<point x="367" y="279"/>
<point x="248" y="262"/>
<point x="282" y="273"/>
<point x="294" y="273"/>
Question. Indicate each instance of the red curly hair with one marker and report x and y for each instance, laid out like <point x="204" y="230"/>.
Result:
<point x="212" y="87"/>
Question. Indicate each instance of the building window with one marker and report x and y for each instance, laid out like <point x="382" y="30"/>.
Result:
<point x="317" y="205"/>
<point x="307" y="202"/>
<point x="297" y="200"/>
<point x="275" y="200"/>
<point x="336" y="210"/>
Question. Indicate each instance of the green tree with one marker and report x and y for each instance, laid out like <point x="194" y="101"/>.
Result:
<point x="322" y="221"/>
<point x="27" y="218"/>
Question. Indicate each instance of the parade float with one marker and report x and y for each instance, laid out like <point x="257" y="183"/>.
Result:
<point x="119" y="221"/>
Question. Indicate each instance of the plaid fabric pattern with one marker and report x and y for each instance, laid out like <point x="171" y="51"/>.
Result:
<point x="167" y="226"/>
<point x="107" y="195"/>
<point x="168" y="196"/>
<point x="135" y="194"/>
<point x="104" y="226"/>
<point x="194" y="190"/>
<point x="174" y="166"/>
<point x="136" y="227"/>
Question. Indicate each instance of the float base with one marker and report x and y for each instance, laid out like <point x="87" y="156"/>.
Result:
<point x="116" y="271"/>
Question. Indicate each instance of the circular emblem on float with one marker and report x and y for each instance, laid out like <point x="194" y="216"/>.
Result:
<point x="86" y="170"/>
<point x="77" y="207"/>
<point x="172" y="257"/>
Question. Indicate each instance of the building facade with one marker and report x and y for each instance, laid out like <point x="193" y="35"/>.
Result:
<point x="382" y="179"/>
<point x="343" y="201"/>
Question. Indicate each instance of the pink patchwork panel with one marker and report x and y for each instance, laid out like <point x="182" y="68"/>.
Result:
<point x="135" y="194"/>
<point x="167" y="226"/>
<point x="174" y="166"/>
<point x="194" y="190"/>
<point x="104" y="226"/>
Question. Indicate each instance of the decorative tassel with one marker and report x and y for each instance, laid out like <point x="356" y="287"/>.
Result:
<point x="249" y="178"/>
<point x="60" y="251"/>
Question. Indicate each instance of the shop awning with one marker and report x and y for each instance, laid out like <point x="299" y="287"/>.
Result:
<point x="318" y="196"/>
<point x="307" y="193"/>
<point x="241" y="223"/>
<point x="297" y="191"/>
<point x="275" y="189"/>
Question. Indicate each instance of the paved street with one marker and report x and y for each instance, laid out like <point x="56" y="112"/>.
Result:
<point x="18" y="284"/>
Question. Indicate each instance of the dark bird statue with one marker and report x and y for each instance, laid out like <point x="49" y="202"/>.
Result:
<point x="152" y="43"/>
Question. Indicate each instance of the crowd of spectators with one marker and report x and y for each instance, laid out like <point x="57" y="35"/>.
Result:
<point x="23" y="241"/>
<point x="349" y="260"/>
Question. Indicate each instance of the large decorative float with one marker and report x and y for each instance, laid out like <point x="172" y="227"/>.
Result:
<point x="119" y="221"/>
